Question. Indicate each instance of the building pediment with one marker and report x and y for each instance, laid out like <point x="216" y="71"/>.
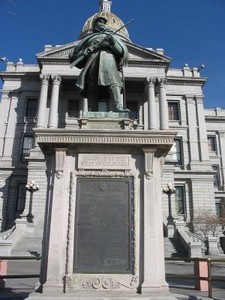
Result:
<point x="138" y="54"/>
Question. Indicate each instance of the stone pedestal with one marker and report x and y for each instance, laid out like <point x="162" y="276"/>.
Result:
<point x="104" y="203"/>
<point x="105" y="296"/>
<point x="213" y="245"/>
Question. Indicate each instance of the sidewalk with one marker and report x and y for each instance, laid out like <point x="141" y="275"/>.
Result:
<point x="19" y="289"/>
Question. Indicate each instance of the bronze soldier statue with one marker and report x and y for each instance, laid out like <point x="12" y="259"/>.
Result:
<point x="101" y="56"/>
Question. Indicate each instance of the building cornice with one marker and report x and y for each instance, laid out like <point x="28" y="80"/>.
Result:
<point x="215" y="119"/>
<point x="185" y="80"/>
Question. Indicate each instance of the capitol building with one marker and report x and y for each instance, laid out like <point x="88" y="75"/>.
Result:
<point x="168" y="148"/>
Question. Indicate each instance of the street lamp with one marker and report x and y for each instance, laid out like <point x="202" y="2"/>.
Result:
<point x="169" y="190"/>
<point x="31" y="187"/>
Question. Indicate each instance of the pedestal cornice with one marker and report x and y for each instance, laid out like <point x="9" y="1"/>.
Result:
<point x="161" y="140"/>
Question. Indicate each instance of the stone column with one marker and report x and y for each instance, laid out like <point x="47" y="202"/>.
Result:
<point x="222" y="150"/>
<point x="192" y="132"/>
<point x="53" y="117"/>
<point x="58" y="214"/>
<point x="163" y="106"/>
<point x="153" y="248"/>
<point x="85" y="105"/>
<point x="41" y="117"/>
<point x="145" y="107"/>
<point x="203" y="142"/>
<point x="140" y="113"/>
<point x="151" y="103"/>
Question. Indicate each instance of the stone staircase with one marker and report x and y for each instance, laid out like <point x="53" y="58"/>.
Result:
<point x="29" y="244"/>
<point x="173" y="248"/>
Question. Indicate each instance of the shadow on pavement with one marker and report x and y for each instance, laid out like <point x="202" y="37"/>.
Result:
<point x="11" y="294"/>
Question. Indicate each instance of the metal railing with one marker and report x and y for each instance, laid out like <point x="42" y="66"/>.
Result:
<point x="210" y="278"/>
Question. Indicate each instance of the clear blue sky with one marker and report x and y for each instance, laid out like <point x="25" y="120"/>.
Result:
<point x="190" y="31"/>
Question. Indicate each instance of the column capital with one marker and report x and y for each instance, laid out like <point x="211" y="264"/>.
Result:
<point x="161" y="81"/>
<point x="199" y="99"/>
<point x="45" y="78"/>
<point x="56" y="78"/>
<point x="151" y="80"/>
<point x="189" y="98"/>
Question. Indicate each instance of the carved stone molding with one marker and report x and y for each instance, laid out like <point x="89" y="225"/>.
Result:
<point x="103" y="139"/>
<point x="60" y="154"/>
<point x="149" y="159"/>
<point x="104" y="173"/>
<point x="70" y="226"/>
<point x="101" y="282"/>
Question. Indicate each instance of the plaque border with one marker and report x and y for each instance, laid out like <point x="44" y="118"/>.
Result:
<point x="84" y="282"/>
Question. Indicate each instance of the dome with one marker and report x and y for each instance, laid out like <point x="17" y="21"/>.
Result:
<point x="113" y="23"/>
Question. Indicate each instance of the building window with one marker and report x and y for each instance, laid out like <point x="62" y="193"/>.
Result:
<point x="211" y="143"/>
<point x="133" y="107"/>
<point x="173" y="108"/>
<point x="28" y="144"/>
<point x="180" y="200"/>
<point x="31" y="108"/>
<point x="218" y="209"/>
<point x="216" y="175"/>
<point x="20" y="197"/>
<point x="175" y="154"/>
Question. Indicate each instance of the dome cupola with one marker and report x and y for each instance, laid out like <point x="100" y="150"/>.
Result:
<point x="113" y="22"/>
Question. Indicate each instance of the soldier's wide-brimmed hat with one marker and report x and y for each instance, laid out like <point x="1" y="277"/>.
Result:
<point x="100" y="18"/>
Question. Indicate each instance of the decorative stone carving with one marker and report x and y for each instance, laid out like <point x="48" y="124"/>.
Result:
<point x="103" y="139"/>
<point x="60" y="154"/>
<point x="56" y="78"/>
<point x="44" y="78"/>
<point x="105" y="173"/>
<point x="70" y="227"/>
<point x="100" y="282"/>
<point x="151" y="81"/>
<point x="149" y="158"/>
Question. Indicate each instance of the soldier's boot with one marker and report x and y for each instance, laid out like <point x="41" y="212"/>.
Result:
<point x="115" y="92"/>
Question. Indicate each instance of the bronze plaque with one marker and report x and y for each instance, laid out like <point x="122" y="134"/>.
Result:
<point x="103" y="226"/>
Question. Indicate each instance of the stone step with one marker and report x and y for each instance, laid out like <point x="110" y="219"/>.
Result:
<point x="28" y="245"/>
<point x="173" y="248"/>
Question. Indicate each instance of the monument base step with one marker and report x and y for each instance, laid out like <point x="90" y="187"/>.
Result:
<point x="158" y="296"/>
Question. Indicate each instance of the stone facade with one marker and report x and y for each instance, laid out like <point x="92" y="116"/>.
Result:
<point x="151" y="87"/>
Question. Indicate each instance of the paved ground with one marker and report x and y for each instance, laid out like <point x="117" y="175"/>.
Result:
<point x="19" y="289"/>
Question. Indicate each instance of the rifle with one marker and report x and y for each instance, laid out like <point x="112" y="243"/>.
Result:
<point x="80" y="58"/>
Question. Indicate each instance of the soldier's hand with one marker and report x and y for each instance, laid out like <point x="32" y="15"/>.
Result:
<point x="110" y="39"/>
<point x="88" y="51"/>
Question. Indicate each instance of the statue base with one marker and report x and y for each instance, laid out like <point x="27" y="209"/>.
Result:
<point x="106" y="120"/>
